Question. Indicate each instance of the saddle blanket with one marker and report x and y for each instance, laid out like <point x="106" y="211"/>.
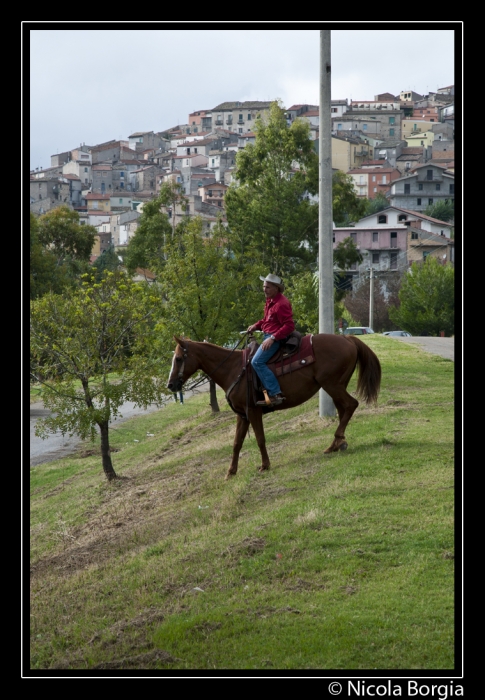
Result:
<point x="303" y="357"/>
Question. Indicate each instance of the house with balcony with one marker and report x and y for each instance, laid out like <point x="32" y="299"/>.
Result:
<point x="213" y="193"/>
<point x="422" y="243"/>
<point x="199" y="120"/>
<point x="427" y="184"/>
<point x="393" y="216"/>
<point x="347" y="153"/>
<point x="382" y="246"/>
<point x="238" y="117"/>
<point x="369" y="181"/>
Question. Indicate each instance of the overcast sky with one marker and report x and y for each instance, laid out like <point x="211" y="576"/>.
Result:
<point x="91" y="85"/>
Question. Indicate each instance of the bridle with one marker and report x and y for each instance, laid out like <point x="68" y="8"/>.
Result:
<point x="185" y="355"/>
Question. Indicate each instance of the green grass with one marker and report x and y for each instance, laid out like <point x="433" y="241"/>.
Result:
<point x="326" y="562"/>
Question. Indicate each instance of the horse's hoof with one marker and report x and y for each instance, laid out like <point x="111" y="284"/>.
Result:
<point x="263" y="469"/>
<point x="228" y="475"/>
<point x="343" y="446"/>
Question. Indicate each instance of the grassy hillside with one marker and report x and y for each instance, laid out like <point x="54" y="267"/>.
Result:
<point x="326" y="562"/>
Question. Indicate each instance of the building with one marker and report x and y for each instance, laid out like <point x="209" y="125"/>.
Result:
<point x="423" y="186"/>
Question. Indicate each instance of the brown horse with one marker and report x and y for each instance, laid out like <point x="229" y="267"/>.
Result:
<point x="336" y="358"/>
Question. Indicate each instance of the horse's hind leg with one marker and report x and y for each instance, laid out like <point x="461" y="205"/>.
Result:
<point x="241" y="432"/>
<point x="345" y="405"/>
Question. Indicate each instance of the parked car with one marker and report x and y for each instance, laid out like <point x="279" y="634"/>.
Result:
<point x="358" y="330"/>
<point x="401" y="333"/>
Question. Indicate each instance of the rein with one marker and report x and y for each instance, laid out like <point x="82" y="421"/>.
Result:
<point x="204" y="379"/>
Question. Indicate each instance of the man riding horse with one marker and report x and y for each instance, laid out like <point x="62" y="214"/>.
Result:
<point x="276" y="324"/>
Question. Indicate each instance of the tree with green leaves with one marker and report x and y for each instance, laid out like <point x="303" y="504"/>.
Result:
<point x="60" y="248"/>
<point x="45" y="274"/>
<point x="92" y="350"/>
<point x="373" y="206"/>
<point x="200" y="285"/>
<point x="427" y="297"/>
<point x="108" y="260"/>
<point x="269" y="212"/>
<point x="444" y="211"/>
<point x="61" y="232"/>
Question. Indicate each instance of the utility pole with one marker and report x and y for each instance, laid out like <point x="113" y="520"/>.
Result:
<point x="325" y="218"/>
<point x="371" y="299"/>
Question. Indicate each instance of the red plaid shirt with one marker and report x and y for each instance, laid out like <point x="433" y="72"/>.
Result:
<point x="278" y="317"/>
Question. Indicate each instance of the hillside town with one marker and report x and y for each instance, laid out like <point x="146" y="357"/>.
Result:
<point x="399" y="146"/>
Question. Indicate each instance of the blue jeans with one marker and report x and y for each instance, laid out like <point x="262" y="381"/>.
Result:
<point x="259" y="365"/>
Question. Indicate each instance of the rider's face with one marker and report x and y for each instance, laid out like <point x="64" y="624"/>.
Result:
<point x="270" y="290"/>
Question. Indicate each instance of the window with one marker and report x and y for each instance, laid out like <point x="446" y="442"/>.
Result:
<point x="418" y="201"/>
<point x="249" y="117"/>
<point x="353" y="236"/>
<point x="240" y="131"/>
<point x="425" y="254"/>
<point x="85" y="170"/>
<point x="414" y="236"/>
<point x="364" y="127"/>
<point x="373" y="178"/>
<point x="393" y="264"/>
<point x="438" y="187"/>
<point x="452" y="189"/>
<point x="339" y="126"/>
<point x="382" y="219"/>
<point x="407" y="189"/>
<point x="392" y="120"/>
<point x="430" y="200"/>
<point x="420" y="186"/>
<point x="384" y="180"/>
<point x="391" y="132"/>
<point x="375" y="258"/>
<point x="122" y="173"/>
<point x="121" y="201"/>
<point x="375" y="237"/>
<point x="393" y="239"/>
<point x="375" y="189"/>
<point x="429" y="174"/>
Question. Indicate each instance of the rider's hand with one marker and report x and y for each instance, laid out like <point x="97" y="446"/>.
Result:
<point x="266" y="344"/>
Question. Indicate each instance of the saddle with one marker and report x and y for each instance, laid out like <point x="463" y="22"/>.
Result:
<point x="284" y="361"/>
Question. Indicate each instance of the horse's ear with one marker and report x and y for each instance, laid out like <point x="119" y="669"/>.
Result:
<point x="179" y="341"/>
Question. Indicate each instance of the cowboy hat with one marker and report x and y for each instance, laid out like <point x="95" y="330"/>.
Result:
<point x="274" y="279"/>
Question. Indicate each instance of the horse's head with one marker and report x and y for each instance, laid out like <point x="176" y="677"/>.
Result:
<point x="183" y="367"/>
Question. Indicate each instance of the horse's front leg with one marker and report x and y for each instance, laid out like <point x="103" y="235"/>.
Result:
<point x="241" y="432"/>
<point x="256" y="418"/>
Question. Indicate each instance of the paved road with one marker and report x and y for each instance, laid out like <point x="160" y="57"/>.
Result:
<point x="445" y="347"/>
<point x="56" y="446"/>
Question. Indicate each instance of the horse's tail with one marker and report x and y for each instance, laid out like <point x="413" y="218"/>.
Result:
<point x="370" y="372"/>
